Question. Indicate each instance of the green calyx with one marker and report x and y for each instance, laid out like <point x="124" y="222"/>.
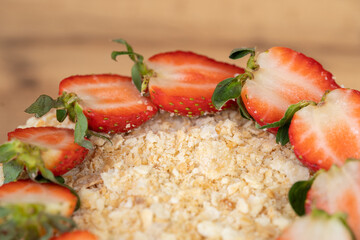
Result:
<point x="30" y="222"/>
<point x="231" y="88"/>
<point x="66" y="105"/>
<point x="140" y="73"/>
<point x="298" y="195"/>
<point x="16" y="155"/>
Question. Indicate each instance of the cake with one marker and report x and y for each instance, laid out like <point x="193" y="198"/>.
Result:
<point x="215" y="177"/>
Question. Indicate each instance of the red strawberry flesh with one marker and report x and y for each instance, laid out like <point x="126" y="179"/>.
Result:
<point x="56" y="199"/>
<point x="328" y="133"/>
<point x="59" y="152"/>
<point x="111" y="103"/>
<point x="184" y="81"/>
<point x="76" y="235"/>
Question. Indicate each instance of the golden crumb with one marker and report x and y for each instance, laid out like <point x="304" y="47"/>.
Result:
<point x="212" y="177"/>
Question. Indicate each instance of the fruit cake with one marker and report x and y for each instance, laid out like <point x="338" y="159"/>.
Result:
<point x="176" y="177"/>
<point x="192" y="148"/>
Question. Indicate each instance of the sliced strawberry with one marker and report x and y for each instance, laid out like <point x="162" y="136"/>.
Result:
<point x="179" y="82"/>
<point x="32" y="210"/>
<point x="284" y="77"/>
<point x="49" y="146"/>
<point x="327" y="133"/>
<point x="111" y="103"/>
<point x="76" y="235"/>
<point x="183" y="82"/>
<point x="338" y="190"/>
<point x="272" y="82"/>
<point x="318" y="225"/>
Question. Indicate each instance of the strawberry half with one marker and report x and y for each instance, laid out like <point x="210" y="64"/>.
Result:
<point x="111" y="103"/>
<point x="318" y="225"/>
<point x="334" y="191"/>
<point x="32" y="210"/>
<point x="76" y="235"/>
<point x="102" y="103"/>
<point x="40" y="149"/>
<point x="327" y="133"/>
<point x="179" y="82"/>
<point x="273" y="81"/>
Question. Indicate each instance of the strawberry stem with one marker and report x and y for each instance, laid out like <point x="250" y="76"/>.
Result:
<point x="140" y="73"/>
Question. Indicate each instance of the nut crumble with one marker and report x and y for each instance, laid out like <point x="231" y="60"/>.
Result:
<point x="212" y="177"/>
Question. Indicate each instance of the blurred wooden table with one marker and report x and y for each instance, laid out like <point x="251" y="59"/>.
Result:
<point x="42" y="42"/>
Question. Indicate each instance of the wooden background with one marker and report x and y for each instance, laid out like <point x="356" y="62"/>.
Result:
<point x="42" y="41"/>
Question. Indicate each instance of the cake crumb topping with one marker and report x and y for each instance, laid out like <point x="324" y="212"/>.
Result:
<point x="212" y="177"/>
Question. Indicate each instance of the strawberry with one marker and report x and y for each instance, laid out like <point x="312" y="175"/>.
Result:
<point x="336" y="190"/>
<point x="318" y="225"/>
<point x="103" y="103"/>
<point x="179" y="82"/>
<point x="327" y="133"/>
<point x="32" y="210"/>
<point x="76" y="235"/>
<point x="40" y="149"/>
<point x="272" y="82"/>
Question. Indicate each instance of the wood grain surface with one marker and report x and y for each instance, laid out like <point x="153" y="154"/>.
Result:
<point x="42" y="42"/>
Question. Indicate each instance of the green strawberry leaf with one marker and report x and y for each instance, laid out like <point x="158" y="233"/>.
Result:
<point x="136" y="76"/>
<point x="81" y="128"/>
<point x="130" y="52"/>
<point x="298" y="193"/>
<point x="282" y="136"/>
<point x="61" y="114"/>
<point x="243" y="112"/>
<point x="7" y="152"/>
<point x="226" y="90"/>
<point x="12" y="171"/>
<point x="284" y="123"/>
<point x="128" y="47"/>
<point x="47" y="175"/>
<point x="41" y="106"/>
<point x="63" y="224"/>
<point x="241" y="52"/>
<point x="132" y="55"/>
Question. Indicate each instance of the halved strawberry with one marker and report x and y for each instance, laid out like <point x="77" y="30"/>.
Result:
<point x="40" y="149"/>
<point x="336" y="190"/>
<point x="275" y="80"/>
<point x="179" y="82"/>
<point x="184" y="82"/>
<point x="76" y="235"/>
<point x="111" y="103"/>
<point x="103" y="103"/>
<point x="32" y="210"/>
<point x="327" y="133"/>
<point x="318" y="225"/>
